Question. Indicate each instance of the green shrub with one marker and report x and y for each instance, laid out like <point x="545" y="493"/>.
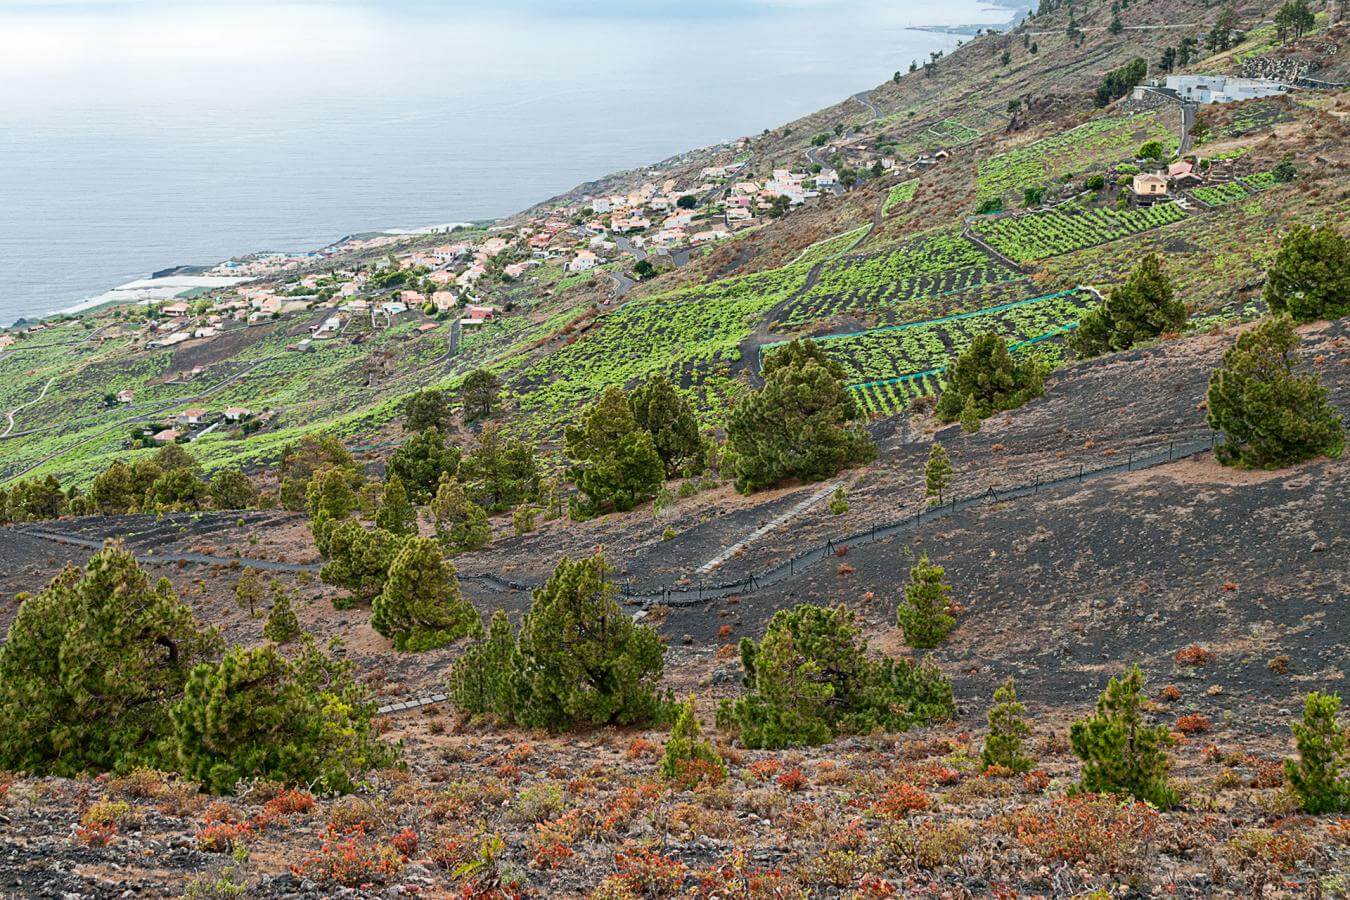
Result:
<point x="1007" y="729"/>
<point x="1270" y="417"/>
<point x="522" y="520"/>
<point x="1310" y="277"/>
<point x="839" y="501"/>
<point x="420" y="607"/>
<point x="685" y="745"/>
<point x="248" y="591"/>
<point x="90" y="667"/>
<point x="257" y="714"/>
<point x="1321" y="774"/>
<point x="1120" y="754"/>
<point x="986" y="378"/>
<point x="1138" y="310"/>
<point x="809" y="678"/>
<point x="925" y="612"/>
<point x="802" y="424"/>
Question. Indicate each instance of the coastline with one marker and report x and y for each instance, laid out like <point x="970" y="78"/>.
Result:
<point x="171" y="281"/>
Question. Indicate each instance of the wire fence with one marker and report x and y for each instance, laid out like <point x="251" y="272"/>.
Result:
<point x="691" y="592"/>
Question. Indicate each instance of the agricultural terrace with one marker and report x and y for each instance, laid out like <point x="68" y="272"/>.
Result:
<point x="343" y="387"/>
<point x="952" y="132"/>
<point x="901" y="193"/>
<point x="1091" y="144"/>
<point x="676" y="333"/>
<point x="879" y="354"/>
<point x="830" y="247"/>
<point x="1069" y="227"/>
<point x="940" y="263"/>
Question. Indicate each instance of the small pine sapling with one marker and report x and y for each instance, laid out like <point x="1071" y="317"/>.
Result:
<point x="1120" y="754"/>
<point x="688" y="758"/>
<point x="1321" y="774"/>
<point x="925" y="612"/>
<point x="1007" y="729"/>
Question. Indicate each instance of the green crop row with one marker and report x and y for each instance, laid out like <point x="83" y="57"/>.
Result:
<point x="901" y="351"/>
<point x="937" y="263"/>
<point x="1219" y="194"/>
<point x="675" y="333"/>
<point x="1071" y="227"/>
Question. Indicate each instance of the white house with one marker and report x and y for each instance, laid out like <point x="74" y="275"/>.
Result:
<point x="584" y="261"/>
<point x="1222" y="88"/>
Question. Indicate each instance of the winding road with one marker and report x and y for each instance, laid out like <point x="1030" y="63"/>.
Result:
<point x="23" y="406"/>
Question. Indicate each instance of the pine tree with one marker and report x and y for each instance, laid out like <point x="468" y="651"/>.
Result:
<point x="421" y="462"/>
<point x="1310" y="277"/>
<point x="810" y="677"/>
<point x="522" y="520"/>
<point x="1138" y="310"/>
<point x="1120" y="754"/>
<point x="420" y="607"/>
<point x="256" y="714"/>
<point x="500" y="472"/>
<point x="801" y="424"/>
<point x="925" y="613"/>
<point x="1321" y="774"/>
<point x="614" y="462"/>
<point x="396" y="514"/>
<point x="581" y="660"/>
<point x="667" y="415"/>
<point x="987" y="379"/>
<point x="839" y="501"/>
<point x="461" y="524"/>
<point x="113" y="491"/>
<point x="281" y="626"/>
<point x="688" y="758"/>
<point x="90" y="666"/>
<point x="427" y="409"/>
<point x="478" y="394"/>
<point x="1007" y="728"/>
<point x="482" y="681"/>
<point x="232" y="489"/>
<point x="1270" y="416"/>
<point x="330" y="500"/>
<point x="359" y="560"/>
<point x="937" y="473"/>
<point x="248" y="591"/>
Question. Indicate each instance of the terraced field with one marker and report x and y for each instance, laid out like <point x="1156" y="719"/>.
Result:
<point x="943" y="262"/>
<point x="901" y="193"/>
<point x="888" y="367"/>
<point x="830" y="247"/>
<point x="1079" y="149"/>
<point x="695" y="329"/>
<point x="1070" y="227"/>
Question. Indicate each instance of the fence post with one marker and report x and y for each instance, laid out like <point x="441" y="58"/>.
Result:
<point x="1080" y="473"/>
<point x="1169" y="450"/>
<point x="792" y="565"/>
<point x="1129" y="466"/>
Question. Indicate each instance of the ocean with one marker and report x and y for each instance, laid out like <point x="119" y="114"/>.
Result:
<point x="136" y="135"/>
